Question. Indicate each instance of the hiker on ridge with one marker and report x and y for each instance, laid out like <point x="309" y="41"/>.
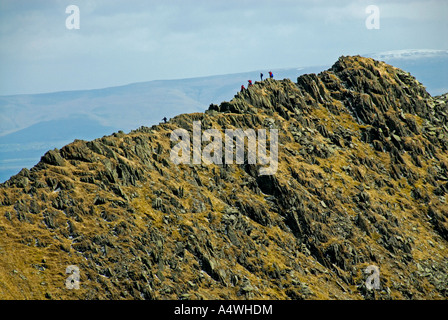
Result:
<point x="242" y="88"/>
<point x="261" y="76"/>
<point x="250" y="83"/>
<point x="271" y="75"/>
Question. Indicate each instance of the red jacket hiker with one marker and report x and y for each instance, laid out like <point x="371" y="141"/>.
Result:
<point x="250" y="82"/>
<point x="271" y="75"/>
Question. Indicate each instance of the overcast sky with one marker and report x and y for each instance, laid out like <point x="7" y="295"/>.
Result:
<point x="125" y="41"/>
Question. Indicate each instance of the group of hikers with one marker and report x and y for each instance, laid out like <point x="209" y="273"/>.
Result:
<point x="249" y="84"/>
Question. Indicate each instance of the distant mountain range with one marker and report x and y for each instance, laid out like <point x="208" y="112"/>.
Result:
<point x="32" y="124"/>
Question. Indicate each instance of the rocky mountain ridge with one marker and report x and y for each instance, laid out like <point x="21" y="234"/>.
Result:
<point x="361" y="180"/>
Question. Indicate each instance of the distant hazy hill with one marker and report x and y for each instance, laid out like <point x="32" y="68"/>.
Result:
<point x="33" y="124"/>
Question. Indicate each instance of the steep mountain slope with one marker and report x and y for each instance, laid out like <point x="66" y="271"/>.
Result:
<point x="361" y="180"/>
<point x="32" y="116"/>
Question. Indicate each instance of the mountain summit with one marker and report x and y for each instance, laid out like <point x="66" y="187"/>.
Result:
<point x="362" y="180"/>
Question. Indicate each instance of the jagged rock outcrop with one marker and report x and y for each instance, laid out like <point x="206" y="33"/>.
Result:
<point x="361" y="180"/>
